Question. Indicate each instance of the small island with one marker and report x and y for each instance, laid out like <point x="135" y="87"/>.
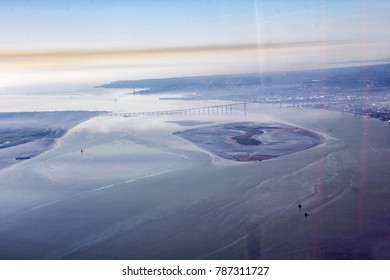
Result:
<point x="249" y="141"/>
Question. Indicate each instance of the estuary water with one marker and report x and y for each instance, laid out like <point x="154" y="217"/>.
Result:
<point x="139" y="192"/>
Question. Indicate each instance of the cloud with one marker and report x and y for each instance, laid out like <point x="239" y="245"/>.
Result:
<point x="50" y="57"/>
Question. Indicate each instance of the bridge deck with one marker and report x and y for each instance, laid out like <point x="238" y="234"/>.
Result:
<point x="215" y="109"/>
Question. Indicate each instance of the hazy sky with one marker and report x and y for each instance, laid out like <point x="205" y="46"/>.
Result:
<point x="100" y="41"/>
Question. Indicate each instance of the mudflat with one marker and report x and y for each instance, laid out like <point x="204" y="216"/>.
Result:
<point x="251" y="141"/>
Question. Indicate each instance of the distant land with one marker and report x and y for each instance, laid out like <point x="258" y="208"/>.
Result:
<point x="383" y="60"/>
<point x="335" y="80"/>
<point x="361" y="90"/>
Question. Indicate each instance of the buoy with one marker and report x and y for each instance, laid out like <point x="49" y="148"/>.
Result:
<point x="306" y="214"/>
<point x="299" y="205"/>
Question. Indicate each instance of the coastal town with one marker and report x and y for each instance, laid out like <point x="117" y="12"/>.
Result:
<point x="373" y="106"/>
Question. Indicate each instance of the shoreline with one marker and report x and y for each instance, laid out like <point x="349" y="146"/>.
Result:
<point x="36" y="145"/>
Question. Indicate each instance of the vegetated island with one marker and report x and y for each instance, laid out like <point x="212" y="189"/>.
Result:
<point x="249" y="141"/>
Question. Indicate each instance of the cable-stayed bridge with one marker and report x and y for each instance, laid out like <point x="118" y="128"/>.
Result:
<point x="223" y="109"/>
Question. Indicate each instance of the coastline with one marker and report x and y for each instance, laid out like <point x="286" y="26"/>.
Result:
<point x="35" y="145"/>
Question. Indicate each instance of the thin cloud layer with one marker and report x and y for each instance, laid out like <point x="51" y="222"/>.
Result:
<point x="43" y="57"/>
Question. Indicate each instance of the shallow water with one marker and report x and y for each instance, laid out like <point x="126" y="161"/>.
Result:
<point x="139" y="192"/>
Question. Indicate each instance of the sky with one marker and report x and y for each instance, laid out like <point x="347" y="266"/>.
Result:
<point x="62" y="42"/>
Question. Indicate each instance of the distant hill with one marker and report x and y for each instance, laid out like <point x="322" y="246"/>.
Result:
<point x="334" y="81"/>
